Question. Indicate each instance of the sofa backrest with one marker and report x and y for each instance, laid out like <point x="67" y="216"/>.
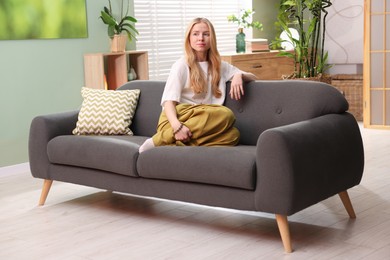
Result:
<point x="148" y="108"/>
<point x="269" y="104"/>
<point x="266" y="104"/>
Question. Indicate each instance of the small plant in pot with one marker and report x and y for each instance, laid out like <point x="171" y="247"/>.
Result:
<point x="303" y="23"/>
<point x="119" y="30"/>
<point x="243" y="20"/>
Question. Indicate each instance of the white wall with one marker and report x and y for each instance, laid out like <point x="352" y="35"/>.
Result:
<point x="344" y="36"/>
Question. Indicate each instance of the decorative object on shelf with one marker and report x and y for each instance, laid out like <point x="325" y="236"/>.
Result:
<point x="257" y="45"/>
<point x="309" y="54"/>
<point x="119" y="29"/>
<point x="105" y="82"/>
<point x="240" y="41"/>
<point x="243" y="20"/>
<point x="118" y="42"/>
<point x="132" y="75"/>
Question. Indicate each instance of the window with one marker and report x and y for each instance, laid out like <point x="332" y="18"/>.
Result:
<point x="162" y="26"/>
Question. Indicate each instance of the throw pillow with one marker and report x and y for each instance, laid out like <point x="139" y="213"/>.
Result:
<point x="106" y="112"/>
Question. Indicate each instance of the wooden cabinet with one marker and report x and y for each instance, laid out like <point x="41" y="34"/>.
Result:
<point x="265" y="65"/>
<point x="110" y="70"/>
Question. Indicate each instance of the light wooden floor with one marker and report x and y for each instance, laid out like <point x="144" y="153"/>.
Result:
<point x="84" y="223"/>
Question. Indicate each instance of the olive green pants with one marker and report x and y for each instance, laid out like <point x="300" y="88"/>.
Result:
<point x="210" y="125"/>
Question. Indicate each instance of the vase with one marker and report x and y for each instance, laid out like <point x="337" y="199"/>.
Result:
<point x="118" y="43"/>
<point x="240" y="41"/>
<point x="132" y="75"/>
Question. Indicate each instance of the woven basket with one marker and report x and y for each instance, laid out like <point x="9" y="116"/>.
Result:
<point x="352" y="87"/>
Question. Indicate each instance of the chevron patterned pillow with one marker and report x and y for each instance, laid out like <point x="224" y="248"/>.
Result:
<point x="106" y="112"/>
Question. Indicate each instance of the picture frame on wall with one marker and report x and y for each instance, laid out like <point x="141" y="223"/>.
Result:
<point x="41" y="19"/>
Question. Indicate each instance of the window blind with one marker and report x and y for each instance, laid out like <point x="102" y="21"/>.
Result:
<point x="162" y="25"/>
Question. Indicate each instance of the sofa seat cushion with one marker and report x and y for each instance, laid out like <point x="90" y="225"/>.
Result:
<point x="226" y="166"/>
<point x="116" y="154"/>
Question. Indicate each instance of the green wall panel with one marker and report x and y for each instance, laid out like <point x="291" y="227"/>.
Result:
<point x="43" y="77"/>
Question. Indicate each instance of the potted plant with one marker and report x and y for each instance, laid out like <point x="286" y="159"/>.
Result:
<point x="243" y="20"/>
<point x="304" y="23"/>
<point x="119" y="30"/>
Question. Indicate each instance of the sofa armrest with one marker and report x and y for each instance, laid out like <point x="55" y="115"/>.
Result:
<point x="304" y="163"/>
<point x="42" y="130"/>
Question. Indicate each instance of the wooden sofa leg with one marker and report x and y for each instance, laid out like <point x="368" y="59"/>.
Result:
<point x="45" y="191"/>
<point x="284" y="232"/>
<point x="347" y="203"/>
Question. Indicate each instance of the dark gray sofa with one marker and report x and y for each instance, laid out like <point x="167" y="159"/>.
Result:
<point x="298" y="147"/>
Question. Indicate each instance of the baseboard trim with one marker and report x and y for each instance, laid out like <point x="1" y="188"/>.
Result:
<point x="17" y="168"/>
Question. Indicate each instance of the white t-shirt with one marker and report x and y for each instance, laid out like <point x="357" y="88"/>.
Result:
<point x="177" y="87"/>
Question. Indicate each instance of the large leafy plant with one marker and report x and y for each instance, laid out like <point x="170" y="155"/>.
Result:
<point x="123" y="24"/>
<point x="308" y="17"/>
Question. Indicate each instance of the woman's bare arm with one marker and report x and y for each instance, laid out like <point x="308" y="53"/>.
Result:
<point x="237" y="85"/>
<point x="249" y="76"/>
<point x="170" y="111"/>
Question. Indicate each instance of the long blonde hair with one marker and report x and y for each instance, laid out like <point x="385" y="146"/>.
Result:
<point x="198" y="81"/>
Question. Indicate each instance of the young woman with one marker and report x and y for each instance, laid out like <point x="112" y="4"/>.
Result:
<point x="195" y="90"/>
